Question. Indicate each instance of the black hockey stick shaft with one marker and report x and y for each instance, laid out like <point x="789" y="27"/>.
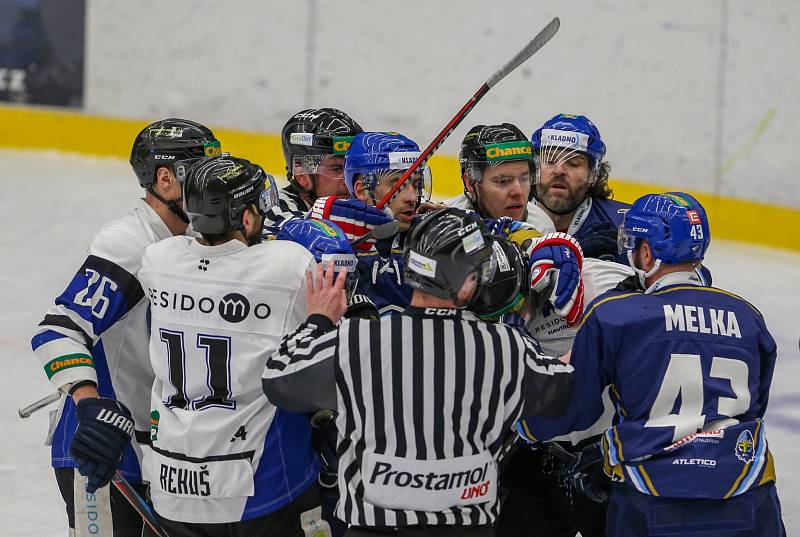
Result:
<point x="529" y="50"/>
<point x="138" y="503"/>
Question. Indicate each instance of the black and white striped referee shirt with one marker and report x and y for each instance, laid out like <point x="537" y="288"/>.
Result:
<point x="424" y="402"/>
<point x="290" y="205"/>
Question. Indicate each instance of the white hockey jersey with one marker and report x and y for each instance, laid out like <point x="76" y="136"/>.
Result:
<point x="220" y="451"/>
<point x="97" y="330"/>
<point x="556" y="338"/>
<point x="535" y="215"/>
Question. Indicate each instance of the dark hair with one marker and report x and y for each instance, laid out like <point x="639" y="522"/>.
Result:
<point x="600" y="189"/>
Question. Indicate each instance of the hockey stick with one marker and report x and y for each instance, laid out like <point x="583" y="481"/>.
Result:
<point x="138" y="503"/>
<point x="530" y="49"/>
<point x="38" y="405"/>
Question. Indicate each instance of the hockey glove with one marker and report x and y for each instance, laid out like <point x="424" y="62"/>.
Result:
<point x="361" y="306"/>
<point x="323" y="437"/>
<point x="355" y="217"/>
<point x="104" y="430"/>
<point x="556" y="258"/>
<point x="585" y="474"/>
<point x="518" y="232"/>
<point x="600" y="242"/>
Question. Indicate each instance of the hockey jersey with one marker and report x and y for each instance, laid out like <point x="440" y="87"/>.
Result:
<point x="220" y="452"/>
<point x="595" y="226"/>
<point x="534" y="216"/>
<point x="380" y="276"/>
<point x="290" y="205"/>
<point x="97" y="330"/>
<point x="689" y="369"/>
<point x="555" y="337"/>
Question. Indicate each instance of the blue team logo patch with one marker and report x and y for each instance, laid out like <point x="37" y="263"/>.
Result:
<point x="745" y="447"/>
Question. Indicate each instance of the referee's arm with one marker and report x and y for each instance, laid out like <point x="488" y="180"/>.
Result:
<point x="547" y="384"/>
<point x="299" y="374"/>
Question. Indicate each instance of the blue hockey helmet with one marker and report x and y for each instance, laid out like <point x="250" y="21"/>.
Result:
<point x="674" y="224"/>
<point x="372" y="156"/>
<point x="326" y="241"/>
<point x="568" y="131"/>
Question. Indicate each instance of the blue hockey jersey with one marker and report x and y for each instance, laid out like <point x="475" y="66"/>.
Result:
<point x="595" y="226"/>
<point x="380" y="276"/>
<point x="689" y="369"/>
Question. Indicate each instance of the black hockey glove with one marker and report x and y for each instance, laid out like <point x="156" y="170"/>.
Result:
<point x="323" y="437"/>
<point x="359" y="305"/>
<point x="585" y="474"/>
<point x="104" y="429"/>
<point x="600" y="242"/>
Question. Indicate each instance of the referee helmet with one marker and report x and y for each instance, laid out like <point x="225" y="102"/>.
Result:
<point x="444" y="248"/>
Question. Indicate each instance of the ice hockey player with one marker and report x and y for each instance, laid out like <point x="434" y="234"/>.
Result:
<point x="497" y="169"/>
<point x="328" y="244"/>
<point x="540" y="494"/>
<point x="314" y="142"/>
<point x="571" y="184"/>
<point x="93" y="342"/>
<point x="424" y="398"/>
<point x="374" y="162"/>
<point x="690" y="369"/>
<point x="223" y="460"/>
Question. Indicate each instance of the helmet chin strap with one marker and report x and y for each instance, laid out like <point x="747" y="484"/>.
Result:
<point x="641" y="275"/>
<point x="174" y="205"/>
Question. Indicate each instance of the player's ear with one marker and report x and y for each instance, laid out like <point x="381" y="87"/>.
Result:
<point x="166" y="184"/>
<point x="361" y="192"/>
<point x="646" y="257"/>
<point x="303" y="179"/>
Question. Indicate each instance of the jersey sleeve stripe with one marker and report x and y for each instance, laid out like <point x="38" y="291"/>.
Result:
<point x="710" y="290"/>
<point x="68" y="323"/>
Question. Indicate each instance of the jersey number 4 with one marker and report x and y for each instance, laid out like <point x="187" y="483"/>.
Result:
<point x="684" y="379"/>
<point x="218" y="364"/>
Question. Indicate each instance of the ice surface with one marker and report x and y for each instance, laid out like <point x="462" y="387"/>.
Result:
<point x="52" y="206"/>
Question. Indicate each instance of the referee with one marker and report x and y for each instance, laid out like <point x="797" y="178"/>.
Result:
<point x="424" y="399"/>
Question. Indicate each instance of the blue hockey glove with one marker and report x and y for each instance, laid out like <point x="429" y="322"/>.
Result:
<point x="600" y="242"/>
<point x="353" y="216"/>
<point x="104" y="429"/>
<point x="585" y="474"/>
<point x="556" y="259"/>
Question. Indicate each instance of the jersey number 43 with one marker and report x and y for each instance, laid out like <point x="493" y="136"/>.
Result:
<point x="684" y="378"/>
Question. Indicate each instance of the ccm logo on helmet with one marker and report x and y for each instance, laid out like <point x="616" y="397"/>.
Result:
<point x="164" y="157"/>
<point x="640" y="229"/>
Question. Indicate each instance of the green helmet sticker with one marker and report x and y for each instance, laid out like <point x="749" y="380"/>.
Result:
<point x="519" y="150"/>
<point x="341" y="144"/>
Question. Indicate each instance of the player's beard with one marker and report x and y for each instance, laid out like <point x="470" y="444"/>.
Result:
<point x="561" y="204"/>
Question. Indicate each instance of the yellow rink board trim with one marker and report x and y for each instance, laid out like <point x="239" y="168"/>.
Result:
<point x="76" y="132"/>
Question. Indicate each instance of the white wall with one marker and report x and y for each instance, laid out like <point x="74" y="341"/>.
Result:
<point x="647" y="73"/>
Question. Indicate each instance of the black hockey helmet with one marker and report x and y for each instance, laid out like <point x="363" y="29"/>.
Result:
<point x="507" y="291"/>
<point x="310" y="135"/>
<point x="165" y="142"/>
<point x="217" y="190"/>
<point x="487" y="145"/>
<point x="443" y="248"/>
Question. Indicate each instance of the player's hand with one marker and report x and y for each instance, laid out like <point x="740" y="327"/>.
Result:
<point x="104" y="430"/>
<point x="324" y="437"/>
<point x="600" y="242"/>
<point x="361" y="306"/>
<point x="353" y="216"/>
<point x="585" y="474"/>
<point x="429" y="206"/>
<point x="556" y="259"/>
<point x="326" y="295"/>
